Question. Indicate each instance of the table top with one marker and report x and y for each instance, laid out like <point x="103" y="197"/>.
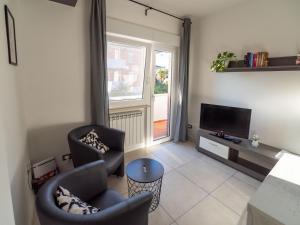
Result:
<point x="278" y="198"/>
<point x="144" y="170"/>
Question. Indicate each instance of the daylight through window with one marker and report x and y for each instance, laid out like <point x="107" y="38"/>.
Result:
<point x="126" y="71"/>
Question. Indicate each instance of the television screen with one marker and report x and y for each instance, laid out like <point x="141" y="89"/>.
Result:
<point x="231" y="120"/>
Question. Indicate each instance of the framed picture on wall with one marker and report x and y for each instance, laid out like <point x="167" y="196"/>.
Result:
<point x="11" y="37"/>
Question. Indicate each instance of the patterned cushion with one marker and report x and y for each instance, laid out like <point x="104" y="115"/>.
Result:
<point x="72" y="204"/>
<point x="92" y="139"/>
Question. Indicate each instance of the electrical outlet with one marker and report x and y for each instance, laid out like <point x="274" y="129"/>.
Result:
<point x="67" y="157"/>
<point x="190" y="126"/>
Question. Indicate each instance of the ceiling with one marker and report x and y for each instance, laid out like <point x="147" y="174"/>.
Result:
<point x="193" y="8"/>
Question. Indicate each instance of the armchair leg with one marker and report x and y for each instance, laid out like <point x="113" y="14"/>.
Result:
<point x="120" y="171"/>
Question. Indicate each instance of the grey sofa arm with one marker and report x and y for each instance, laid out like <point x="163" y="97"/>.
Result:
<point x="133" y="211"/>
<point x="87" y="182"/>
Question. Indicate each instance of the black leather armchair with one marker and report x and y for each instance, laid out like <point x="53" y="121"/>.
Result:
<point x="82" y="153"/>
<point x="89" y="183"/>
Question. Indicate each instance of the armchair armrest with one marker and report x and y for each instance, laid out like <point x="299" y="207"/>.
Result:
<point x="86" y="182"/>
<point x="133" y="211"/>
<point x="111" y="137"/>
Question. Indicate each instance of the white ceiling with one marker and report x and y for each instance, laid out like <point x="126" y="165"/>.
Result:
<point x="193" y="8"/>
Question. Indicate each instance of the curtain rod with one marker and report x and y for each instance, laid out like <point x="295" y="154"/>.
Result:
<point x="151" y="8"/>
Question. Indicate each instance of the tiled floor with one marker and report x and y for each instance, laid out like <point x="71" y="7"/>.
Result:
<point x="196" y="189"/>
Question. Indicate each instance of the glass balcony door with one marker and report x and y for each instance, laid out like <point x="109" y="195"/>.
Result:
<point x="161" y="96"/>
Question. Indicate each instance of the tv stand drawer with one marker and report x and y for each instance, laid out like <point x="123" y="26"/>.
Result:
<point x="214" y="147"/>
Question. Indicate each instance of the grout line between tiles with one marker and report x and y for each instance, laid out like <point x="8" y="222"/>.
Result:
<point x="176" y="169"/>
<point x="233" y="175"/>
<point x="173" y="220"/>
<point x="225" y="205"/>
<point x="191" y="181"/>
<point x="191" y="208"/>
<point x="207" y="193"/>
<point x="211" y="192"/>
<point x="222" y="183"/>
<point x="247" y="182"/>
<point x="200" y="186"/>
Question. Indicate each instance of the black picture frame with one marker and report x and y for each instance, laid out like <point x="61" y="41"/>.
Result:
<point x="11" y="37"/>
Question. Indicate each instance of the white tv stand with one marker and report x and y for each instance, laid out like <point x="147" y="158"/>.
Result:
<point x="255" y="162"/>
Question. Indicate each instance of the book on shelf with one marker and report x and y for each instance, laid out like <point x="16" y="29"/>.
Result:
<point x="258" y="59"/>
<point x="255" y="60"/>
<point x="265" y="59"/>
<point x="251" y="59"/>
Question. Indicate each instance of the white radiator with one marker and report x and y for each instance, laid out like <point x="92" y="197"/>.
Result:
<point x="133" y="124"/>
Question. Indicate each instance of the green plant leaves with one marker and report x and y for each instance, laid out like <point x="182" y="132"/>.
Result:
<point x="219" y="64"/>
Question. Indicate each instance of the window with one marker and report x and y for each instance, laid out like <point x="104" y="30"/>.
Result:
<point x="126" y="71"/>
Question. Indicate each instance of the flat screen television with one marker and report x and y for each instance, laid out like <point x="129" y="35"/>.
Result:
<point x="231" y="120"/>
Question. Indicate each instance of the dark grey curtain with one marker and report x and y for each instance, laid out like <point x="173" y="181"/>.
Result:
<point x="181" y="117"/>
<point x="99" y="95"/>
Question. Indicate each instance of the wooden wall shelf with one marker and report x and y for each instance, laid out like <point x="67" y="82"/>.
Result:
<point x="275" y="64"/>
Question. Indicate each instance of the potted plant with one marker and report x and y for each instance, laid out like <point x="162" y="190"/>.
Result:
<point x="222" y="61"/>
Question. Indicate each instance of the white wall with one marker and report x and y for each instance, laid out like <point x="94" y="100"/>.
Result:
<point x="274" y="97"/>
<point x="54" y="77"/>
<point x="6" y="206"/>
<point x="55" y="66"/>
<point x="13" y="152"/>
<point x="133" y="13"/>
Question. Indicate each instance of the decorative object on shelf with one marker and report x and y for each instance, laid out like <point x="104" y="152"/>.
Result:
<point x="258" y="59"/>
<point x="222" y="61"/>
<point x="11" y="37"/>
<point x="298" y="59"/>
<point x="255" y="140"/>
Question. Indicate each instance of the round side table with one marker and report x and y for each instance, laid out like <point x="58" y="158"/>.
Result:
<point x="145" y="175"/>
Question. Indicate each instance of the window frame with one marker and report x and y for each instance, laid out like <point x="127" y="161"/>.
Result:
<point x="174" y="50"/>
<point x="145" y="100"/>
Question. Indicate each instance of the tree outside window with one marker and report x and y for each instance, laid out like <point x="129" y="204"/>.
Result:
<point x="161" y="81"/>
